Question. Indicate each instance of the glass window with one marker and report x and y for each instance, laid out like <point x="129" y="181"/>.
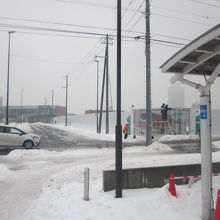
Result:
<point x="7" y="130"/>
<point x="15" y="131"/>
<point x="1" y="129"/>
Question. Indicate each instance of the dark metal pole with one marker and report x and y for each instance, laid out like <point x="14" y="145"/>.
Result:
<point x="66" y="99"/>
<point x="118" y="140"/>
<point x="102" y="95"/>
<point x="148" y="77"/>
<point x="22" y="106"/>
<point x="52" y="106"/>
<point x="7" y="100"/>
<point x="107" y="88"/>
<point x="97" y="97"/>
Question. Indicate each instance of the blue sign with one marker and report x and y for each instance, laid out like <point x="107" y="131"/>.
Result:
<point x="203" y="111"/>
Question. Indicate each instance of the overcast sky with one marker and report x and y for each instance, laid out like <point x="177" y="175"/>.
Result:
<point x="40" y="59"/>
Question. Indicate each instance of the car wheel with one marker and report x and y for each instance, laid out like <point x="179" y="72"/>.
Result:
<point x="28" y="144"/>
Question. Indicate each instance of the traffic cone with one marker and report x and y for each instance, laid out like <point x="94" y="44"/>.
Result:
<point x="172" y="186"/>
<point x="217" y="208"/>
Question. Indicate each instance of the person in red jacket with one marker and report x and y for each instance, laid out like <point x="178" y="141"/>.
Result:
<point x="125" y="131"/>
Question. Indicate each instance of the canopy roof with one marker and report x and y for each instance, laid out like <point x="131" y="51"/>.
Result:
<point x="201" y="56"/>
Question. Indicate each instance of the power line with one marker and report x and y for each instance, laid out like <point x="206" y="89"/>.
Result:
<point x="50" y="29"/>
<point x="59" y="30"/>
<point x="64" y="24"/>
<point x="67" y="31"/>
<point x="84" y="26"/>
<point x="114" y="8"/>
<point x="141" y="16"/>
<point x="167" y="45"/>
<point x="87" y="3"/>
<point x="47" y="61"/>
<point x="127" y="8"/>
<point x="56" y="35"/>
<point x="169" y="42"/>
<point x="92" y="4"/>
<point x="173" y="37"/>
<point x="208" y="4"/>
<point x="185" y="13"/>
<point x="132" y="17"/>
<point x="181" y="19"/>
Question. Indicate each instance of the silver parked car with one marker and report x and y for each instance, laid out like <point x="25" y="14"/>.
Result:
<point x="15" y="137"/>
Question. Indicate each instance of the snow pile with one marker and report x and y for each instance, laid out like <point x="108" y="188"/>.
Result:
<point x="88" y="121"/>
<point x="4" y="171"/>
<point x="87" y="132"/>
<point x="22" y="153"/>
<point x="42" y="154"/>
<point x="158" y="147"/>
<point x="177" y="137"/>
<point x="67" y="203"/>
<point x="216" y="144"/>
<point x="25" y="127"/>
<point x="62" y="198"/>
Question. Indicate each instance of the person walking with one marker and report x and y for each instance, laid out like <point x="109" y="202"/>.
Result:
<point x="125" y="131"/>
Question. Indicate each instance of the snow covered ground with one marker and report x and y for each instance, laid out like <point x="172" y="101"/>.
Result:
<point x="48" y="185"/>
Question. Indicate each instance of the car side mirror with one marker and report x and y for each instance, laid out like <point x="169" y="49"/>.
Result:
<point x="20" y="134"/>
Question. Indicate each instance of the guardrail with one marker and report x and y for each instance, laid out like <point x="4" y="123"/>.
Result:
<point x="151" y="177"/>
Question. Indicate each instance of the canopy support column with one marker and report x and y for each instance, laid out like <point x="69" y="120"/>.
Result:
<point x="206" y="152"/>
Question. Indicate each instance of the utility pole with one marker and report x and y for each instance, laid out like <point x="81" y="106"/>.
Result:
<point x="107" y="87"/>
<point x="66" y="99"/>
<point x="148" y="76"/>
<point x="97" y="96"/>
<point x="22" y="90"/>
<point x="118" y="140"/>
<point x="102" y="95"/>
<point x="52" y="106"/>
<point x="8" y="72"/>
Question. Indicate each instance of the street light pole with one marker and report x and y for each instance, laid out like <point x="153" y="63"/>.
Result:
<point x="97" y="97"/>
<point x="7" y="100"/>
<point x="22" y="90"/>
<point x="118" y="140"/>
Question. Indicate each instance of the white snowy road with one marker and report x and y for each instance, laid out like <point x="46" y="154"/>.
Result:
<point x="37" y="184"/>
<point x="23" y="179"/>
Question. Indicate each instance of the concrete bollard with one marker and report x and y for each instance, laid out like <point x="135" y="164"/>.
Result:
<point x="86" y="184"/>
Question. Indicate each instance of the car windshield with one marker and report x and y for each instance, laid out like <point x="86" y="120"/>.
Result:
<point x="22" y="131"/>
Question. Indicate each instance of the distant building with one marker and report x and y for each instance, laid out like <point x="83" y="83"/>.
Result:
<point x="95" y="111"/>
<point x="176" y="97"/>
<point x="39" y="113"/>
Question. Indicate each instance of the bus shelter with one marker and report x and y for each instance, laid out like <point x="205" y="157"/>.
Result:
<point x="200" y="57"/>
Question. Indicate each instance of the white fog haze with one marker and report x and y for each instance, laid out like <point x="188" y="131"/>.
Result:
<point x="92" y="130"/>
<point x="39" y="59"/>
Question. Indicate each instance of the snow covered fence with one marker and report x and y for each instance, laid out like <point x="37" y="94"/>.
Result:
<point x="151" y="177"/>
